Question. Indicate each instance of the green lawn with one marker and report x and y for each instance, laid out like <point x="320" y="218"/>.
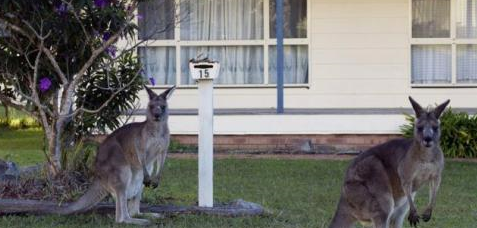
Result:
<point x="299" y="193"/>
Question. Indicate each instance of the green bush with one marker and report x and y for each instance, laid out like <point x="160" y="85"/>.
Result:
<point x="458" y="133"/>
<point x="19" y="123"/>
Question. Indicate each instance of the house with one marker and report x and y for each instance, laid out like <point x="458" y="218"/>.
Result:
<point x="349" y="67"/>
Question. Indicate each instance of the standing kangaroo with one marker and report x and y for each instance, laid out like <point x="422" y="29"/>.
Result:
<point x="122" y="161"/>
<point x="380" y="184"/>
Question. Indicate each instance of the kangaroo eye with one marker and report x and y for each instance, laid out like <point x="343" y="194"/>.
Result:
<point x="420" y="128"/>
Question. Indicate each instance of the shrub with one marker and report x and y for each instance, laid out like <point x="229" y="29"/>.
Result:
<point x="458" y="133"/>
<point x="19" y="123"/>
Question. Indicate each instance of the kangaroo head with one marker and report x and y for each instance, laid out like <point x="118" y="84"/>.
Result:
<point x="427" y="130"/>
<point x="157" y="106"/>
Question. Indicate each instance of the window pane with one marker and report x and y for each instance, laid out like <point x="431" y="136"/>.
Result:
<point x="466" y="21"/>
<point x="156" y="20"/>
<point x="294" y="18"/>
<point x="222" y="20"/>
<point x="296" y="65"/>
<point x="467" y="63"/>
<point x="430" y="18"/>
<point x="238" y="64"/>
<point x="159" y="63"/>
<point x="431" y="64"/>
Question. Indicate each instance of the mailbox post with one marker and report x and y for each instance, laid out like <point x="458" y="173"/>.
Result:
<point x="204" y="72"/>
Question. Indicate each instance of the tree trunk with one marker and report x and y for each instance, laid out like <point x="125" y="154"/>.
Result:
<point x="54" y="161"/>
<point x="7" y="112"/>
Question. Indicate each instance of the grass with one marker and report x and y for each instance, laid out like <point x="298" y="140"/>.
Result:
<point x="13" y="113"/>
<point x="299" y="193"/>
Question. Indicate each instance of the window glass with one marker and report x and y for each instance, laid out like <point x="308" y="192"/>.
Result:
<point x="238" y="64"/>
<point x="159" y="63"/>
<point x="222" y="20"/>
<point x="296" y="64"/>
<point x="467" y="63"/>
<point x="294" y="19"/>
<point x="466" y="21"/>
<point x="431" y="18"/>
<point x="431" y="64"/>
<point x="156" y="19"/>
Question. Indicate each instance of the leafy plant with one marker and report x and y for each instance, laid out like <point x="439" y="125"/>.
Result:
<point x="458" y="133"/>
<point x="117" y="87"/>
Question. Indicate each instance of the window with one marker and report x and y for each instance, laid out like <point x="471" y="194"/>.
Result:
<point x="444" y="42"/>
<point x="240" y="34"/>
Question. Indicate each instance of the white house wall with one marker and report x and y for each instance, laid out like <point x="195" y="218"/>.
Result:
<point x="359" y="58"/>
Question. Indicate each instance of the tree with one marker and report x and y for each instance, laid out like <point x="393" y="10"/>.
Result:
<point x="58" y="62"/>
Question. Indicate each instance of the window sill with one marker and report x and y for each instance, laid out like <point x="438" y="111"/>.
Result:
<point x="443" y="86"/>
<point x="304" y="86"/>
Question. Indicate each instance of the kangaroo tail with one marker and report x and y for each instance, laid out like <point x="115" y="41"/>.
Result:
<point x="92" y="197"/>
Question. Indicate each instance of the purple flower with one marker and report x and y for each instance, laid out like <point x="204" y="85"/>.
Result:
<point x="62" y="8"/>
<point x="45" y="84"/>
<point x="111" y="50"/>
<point x="101" y="3"/>
<point x="106" y="36"/>
<point x="152" y="80"/>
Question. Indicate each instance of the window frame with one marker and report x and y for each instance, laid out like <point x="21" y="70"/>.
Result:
<point x="266" y="42"/>
<point x="452" y="40"/>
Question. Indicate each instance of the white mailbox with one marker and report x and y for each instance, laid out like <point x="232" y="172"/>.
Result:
<point x="204" y="69"/>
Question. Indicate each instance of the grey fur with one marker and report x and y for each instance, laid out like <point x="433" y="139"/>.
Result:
<point x="380" y="184"/>
<point x="122" y="161"/>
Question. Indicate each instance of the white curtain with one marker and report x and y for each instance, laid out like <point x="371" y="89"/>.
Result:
<point x="431" y="18"/>
<point x="159" y="63"/>
<point x="467" y="63"/>
<point x="466" y="22"/>
<point x="225" y="20"/>
<point x="431" y="64"/>
<point x="238" y="64"/>
<point x="296" y="65"/>
<point x="222" y="20"/>
<point x="156" y="19"/>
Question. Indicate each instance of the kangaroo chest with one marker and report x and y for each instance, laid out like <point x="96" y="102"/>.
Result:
<point x="425" y="172"/>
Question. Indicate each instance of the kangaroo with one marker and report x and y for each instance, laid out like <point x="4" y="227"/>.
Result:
<point x="380" y="183"/>
<point x="122" y="161"/>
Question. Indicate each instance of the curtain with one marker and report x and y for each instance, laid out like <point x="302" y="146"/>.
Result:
<point x="225" y="20"/>
<point x="294" y="18"/>
<point x="238" y="64"/>
<point x="467" y="63"/>
<point x="431" y="18"/>
<point x="222" y="20"/>
<point x="431" y="64"/>
<point x="156" y="19"/>
<point x="159" y="63"/>
<point x="466" y="22"/>
<point x="296" y="65"/>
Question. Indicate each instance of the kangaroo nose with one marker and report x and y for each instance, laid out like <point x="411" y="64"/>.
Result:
<point x="427" y="139"/>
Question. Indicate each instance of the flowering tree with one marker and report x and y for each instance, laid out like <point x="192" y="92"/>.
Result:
<point x="59" y="61"/>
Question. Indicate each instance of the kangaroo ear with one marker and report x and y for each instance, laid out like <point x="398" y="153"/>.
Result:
<point x="166" y="94"/>
<point x="440" y="108"/>
<point x="150" y="92"/>
<point x="417" y="108"/>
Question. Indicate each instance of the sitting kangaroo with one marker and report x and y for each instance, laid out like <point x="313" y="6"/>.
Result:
<point x="122" y="160"/>
<point x="380" y="184"/>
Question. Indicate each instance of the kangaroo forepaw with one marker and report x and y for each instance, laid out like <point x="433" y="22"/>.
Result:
<point x="413" y="218"/>
<point x="426" y="216"/>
